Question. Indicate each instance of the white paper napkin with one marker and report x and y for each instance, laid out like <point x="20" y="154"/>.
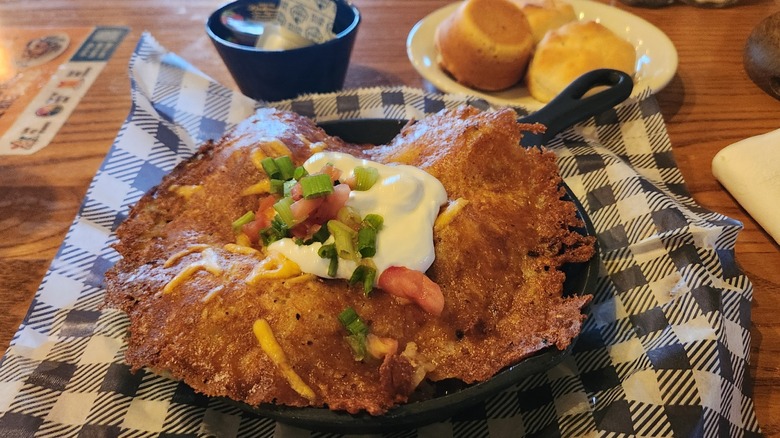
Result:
<point x="750" y="170"/>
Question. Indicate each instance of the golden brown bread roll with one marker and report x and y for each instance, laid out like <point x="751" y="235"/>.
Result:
<point x="546" y="15"/>
<point x="485" y="44"/>
<point x="572" y="50"/>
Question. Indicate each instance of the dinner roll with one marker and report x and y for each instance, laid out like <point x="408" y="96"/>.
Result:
<point x="485" y="44"/>
<point x="572" y="50"/>
<point x="546" y="15"/>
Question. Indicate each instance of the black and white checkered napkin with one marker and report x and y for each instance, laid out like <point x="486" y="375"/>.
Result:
<point x="663" y="353"/>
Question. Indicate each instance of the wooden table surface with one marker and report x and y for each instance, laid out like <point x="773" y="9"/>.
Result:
<point x="709" y="104"/>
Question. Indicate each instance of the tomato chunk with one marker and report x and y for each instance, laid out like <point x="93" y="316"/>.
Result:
<point x="413" y="285"/>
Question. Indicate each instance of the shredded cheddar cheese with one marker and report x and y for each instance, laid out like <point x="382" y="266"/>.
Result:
<point x="185" y="191"/>
<point x="259" y="188"/>
<point x="274" y="266"/>
<point x="241" y="249"/>
<point x="275" y="148"/>
<point x="303" y="278"/>
<point x="449" y="213"/>
<point x="314" y="147"/>
<point x="207" y="263"/>
<point x="243" y="240"/>
<point x="210" y="294"/>
<point x="317" y="147"/>
<point x="257" y="156"/>
<point x="269" y="344"/>
<point x="172" y="260"/>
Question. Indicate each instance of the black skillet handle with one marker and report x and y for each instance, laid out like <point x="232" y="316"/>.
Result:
<point x="569" y="107"/>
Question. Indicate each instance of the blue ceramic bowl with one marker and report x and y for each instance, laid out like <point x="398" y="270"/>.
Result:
<point x="272" y="75"/>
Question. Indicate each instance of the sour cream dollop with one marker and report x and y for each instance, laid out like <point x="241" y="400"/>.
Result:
<point x="407" y="198"/>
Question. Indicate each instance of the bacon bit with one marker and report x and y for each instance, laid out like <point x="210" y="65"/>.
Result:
<point x="406" y="283"/>
<point x="380" y="347"/>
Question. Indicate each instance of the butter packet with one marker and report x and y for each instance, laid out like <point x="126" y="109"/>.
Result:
<point x="311" y="19"/>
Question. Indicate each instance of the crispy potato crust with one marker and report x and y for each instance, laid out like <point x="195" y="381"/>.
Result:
<point x="497" y="264"/>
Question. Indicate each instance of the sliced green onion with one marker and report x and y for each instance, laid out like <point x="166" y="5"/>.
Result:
<point x="282" y="208"/>
<point x="349" y="217"/>
<point x="276" y="231"/>
<point x="365" y="177"/>
<point x="248" y="217"/>
<point x="313" y="186"/>
<point x="366" y="242"/>
<point x="352" y="321"/>
<point x="357" y="343"/>
<point x="329" y="252"/>
<point x="299" y="172"/>
<point x="357" y="330"/>
<point x="270" y="167"/>
<point x="288" y="185"/>
<point x="374" y="221"/>
<point x="276" y="187"/>
<point x="285" y="166"/>
<point x="365" y="273"/>
<point x="344" y="239"/>
<point x="333" y="266"/>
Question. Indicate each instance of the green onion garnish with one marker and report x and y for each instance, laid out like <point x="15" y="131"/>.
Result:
<point x="329" y="252"/>
<point x="282" y="208"/>
<point x="276" y="231"/>
<point x="321" y="235"/>
<point x="276" y="187"/>
<point x="343" y="239"/>
<point x="365" y="273"/>
<point x="285" y="166"/>
<point x="313" y="186"/>
<point x="357" y="330"/>
<point x="248" y="217"/>
<point x="366" y="242"/>
<point x="357" y="343"/>
<point x="270" y="167"/>
<point x="288" y="185"/>
<point x="352" y="322"/>
<point x="333" y="266"/>
<point x="374" y="221"/>
<point x="365" y="177"/>
<point x="349" y="217"/>
<point x="299" y="172"/>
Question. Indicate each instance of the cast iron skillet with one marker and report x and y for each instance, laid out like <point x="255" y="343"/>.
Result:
<point x="453" y="396"/>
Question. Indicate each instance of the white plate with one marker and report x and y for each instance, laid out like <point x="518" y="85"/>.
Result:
<point x="655" y="66"/>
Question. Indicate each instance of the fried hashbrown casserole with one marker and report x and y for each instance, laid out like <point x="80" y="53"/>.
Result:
<point x="210" y="305"/>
